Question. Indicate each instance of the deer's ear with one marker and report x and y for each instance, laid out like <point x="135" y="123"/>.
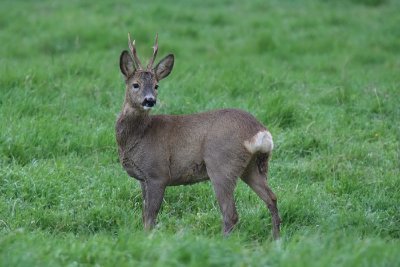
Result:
<point x="164" y="67"/>
<point x="126" y="64"/>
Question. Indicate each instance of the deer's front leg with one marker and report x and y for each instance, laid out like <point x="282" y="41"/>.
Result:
<point x="143" y="185"/>
<point x="154" y="194"/>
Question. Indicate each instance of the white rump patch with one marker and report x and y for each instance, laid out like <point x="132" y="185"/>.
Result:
<point x="261" y="142"/>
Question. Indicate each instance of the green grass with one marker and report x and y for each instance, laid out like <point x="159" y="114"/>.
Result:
<point x="322" y="75"/>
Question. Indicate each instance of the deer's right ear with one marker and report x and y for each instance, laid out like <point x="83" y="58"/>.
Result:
<point x="126" y="64"/>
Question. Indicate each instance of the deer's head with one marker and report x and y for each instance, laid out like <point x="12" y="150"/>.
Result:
<point x="142" y="84"/>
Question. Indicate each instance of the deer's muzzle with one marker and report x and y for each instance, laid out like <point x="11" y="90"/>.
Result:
<point x="149" y="102"/>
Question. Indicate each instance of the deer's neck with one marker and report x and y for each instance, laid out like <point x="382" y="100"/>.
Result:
<point x="131" y="125"/>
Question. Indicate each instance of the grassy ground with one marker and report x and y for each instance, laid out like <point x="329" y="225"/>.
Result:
<point x="323" y="75"/>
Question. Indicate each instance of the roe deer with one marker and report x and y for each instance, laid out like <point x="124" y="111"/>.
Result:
<point x="167" y="150"/>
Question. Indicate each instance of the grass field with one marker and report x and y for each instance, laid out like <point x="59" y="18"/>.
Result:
<point x="324" y="76"/>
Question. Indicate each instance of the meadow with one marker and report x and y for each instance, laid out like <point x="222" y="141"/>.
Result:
<point x="324" y="76"/>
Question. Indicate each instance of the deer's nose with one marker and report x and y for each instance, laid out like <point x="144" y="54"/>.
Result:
<point x="149" y="101"/>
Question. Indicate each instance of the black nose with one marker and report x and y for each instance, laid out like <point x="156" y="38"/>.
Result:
<point x="149" y="102"/>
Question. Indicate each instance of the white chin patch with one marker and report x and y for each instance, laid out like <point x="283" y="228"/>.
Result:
<point x="261" y="142"/>
<point x="146" y="108"/>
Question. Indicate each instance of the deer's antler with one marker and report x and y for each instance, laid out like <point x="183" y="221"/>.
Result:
<point x="132" y="47"/>
<point x="155" y="49"/>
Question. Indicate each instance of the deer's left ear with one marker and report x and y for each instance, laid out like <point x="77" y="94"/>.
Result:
<point x="126" y="64"/>
<point x="164" y="67"/>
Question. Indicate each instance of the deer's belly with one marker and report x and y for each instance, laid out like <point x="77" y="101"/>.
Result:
<point x="194" y="173"/>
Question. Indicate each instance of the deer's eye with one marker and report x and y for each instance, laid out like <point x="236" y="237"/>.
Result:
<point x="156" y="87"/>
<point x="136" y="86"/>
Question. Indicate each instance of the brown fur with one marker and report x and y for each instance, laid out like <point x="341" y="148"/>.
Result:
<point x="167" y="150"/>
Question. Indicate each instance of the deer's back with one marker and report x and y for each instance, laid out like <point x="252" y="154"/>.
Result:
<point x="223" y="128"/>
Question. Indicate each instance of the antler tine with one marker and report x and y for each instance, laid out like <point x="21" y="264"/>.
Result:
<point x="132" y="47"/>
<point x="155" y="49"/>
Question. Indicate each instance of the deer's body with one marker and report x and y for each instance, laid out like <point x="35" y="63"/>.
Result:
<point x="177" y="148"/>
<point x="167" y="150"/>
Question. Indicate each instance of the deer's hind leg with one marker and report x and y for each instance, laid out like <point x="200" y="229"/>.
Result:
<point x="224" y="187"/>
<point x="255" y="176"/>
<point x="223" y="176"/>
<point x="224" y="166"/>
